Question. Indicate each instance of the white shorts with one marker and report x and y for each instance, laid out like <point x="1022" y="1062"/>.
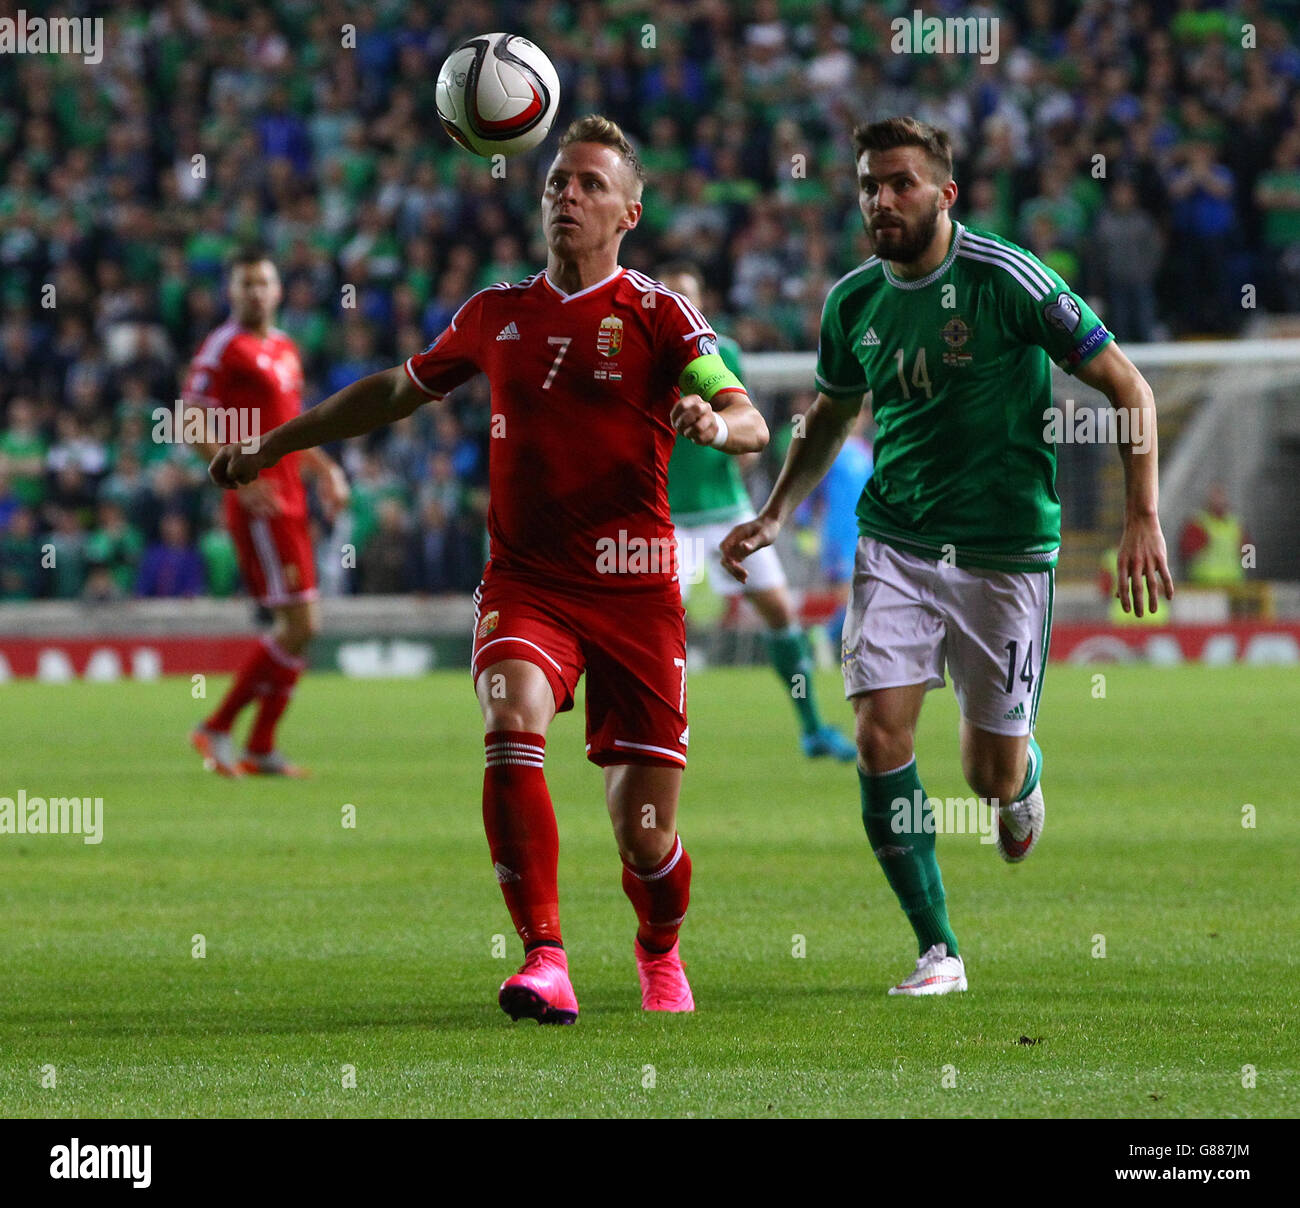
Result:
<point x="908" y="616"/>
<point x="698" y="555"/>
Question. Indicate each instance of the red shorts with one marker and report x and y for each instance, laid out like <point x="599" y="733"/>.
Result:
<point x="275" y="556"/>
<point x="632" y="646"/>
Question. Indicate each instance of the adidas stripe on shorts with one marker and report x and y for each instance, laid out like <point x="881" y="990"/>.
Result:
<point x="908" y="617"/>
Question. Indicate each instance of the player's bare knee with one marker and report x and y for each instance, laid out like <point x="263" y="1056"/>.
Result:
<point x="508" y="715"/>
<point x="514" y="696"/>
<point x="992" y="783"/>
<point x="642" y="847"/>
<point x="992" y="774"/>
<point x="521" y="711"/>
<point x="882" y="747"/>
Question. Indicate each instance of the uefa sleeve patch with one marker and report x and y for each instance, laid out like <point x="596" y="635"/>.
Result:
<point x="1096" y="338"/>
<point x="1063" y="313"/>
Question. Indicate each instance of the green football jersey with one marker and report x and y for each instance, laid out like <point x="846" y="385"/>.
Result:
<point x="704" y="484"/>
<point x="957" y="366"/>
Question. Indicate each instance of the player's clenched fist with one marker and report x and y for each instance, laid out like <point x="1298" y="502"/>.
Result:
<point x="233" y="467"/>
<point x="695" y="419"/>
<point x="743" y="540"/>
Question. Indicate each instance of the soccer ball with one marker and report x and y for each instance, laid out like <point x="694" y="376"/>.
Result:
<point x="497" y="94"/>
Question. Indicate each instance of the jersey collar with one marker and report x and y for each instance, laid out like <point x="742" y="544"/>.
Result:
<point x="618" y="272"/>
<point x="930" y="278"/>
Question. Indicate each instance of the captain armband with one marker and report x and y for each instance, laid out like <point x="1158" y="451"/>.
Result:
<point x="706" y="376"/>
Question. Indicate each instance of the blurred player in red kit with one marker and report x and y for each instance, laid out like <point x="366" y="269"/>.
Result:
<point x="594" y="369"/>
<point x="250" y="370"/>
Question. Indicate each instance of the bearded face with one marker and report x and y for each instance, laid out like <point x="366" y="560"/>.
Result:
<point x="900" y="239"/>
<point x="900" y="202"/>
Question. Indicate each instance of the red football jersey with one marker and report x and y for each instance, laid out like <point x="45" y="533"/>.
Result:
<point x="261" y="377"/>
<point x="582" y="387"/>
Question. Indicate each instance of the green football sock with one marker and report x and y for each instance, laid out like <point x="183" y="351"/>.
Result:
<point x="790" y="655"/>
<point x="1033" y="770"/>
<point x="902" y="838"/>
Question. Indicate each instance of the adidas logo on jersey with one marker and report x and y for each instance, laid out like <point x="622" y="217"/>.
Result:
<point x="509" y="332"/>
<point x="870" y="339"/>
<point x="1016" y="714"/>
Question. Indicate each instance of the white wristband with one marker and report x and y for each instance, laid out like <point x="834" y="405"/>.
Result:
<point x="720" y="437"/>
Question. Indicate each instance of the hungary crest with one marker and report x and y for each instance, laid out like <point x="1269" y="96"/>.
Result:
<point x="609" y="340"/>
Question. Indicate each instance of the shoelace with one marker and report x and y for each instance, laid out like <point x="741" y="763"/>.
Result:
<point x="932" y="956"/>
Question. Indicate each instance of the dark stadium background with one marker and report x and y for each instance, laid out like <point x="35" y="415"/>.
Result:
<point x="333" y="156"/>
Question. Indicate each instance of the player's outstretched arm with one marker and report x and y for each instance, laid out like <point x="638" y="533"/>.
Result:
<point x="381" y="398"/>
<point x="825" y="428"/>
<point x="1142" y="555"/>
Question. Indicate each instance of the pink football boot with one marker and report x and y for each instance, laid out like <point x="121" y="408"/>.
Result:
<point x="541" y="990"/>
<point x="663" y="980"/>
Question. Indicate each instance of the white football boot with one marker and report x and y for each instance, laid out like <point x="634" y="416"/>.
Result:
<point x="1019" y="825"/>
<point x="936" y="973"/>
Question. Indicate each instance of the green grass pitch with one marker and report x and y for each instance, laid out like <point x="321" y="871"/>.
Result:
<point x="370" y="949"/>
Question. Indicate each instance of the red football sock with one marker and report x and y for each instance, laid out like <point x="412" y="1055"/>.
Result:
<point x="660" y="896"/>
<point x="250" y="681"/>
<point x="521" y="832"/>
<point x="284" y="671"/>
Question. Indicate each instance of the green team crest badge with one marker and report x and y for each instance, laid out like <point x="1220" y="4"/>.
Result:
<point x="955" y="333"/>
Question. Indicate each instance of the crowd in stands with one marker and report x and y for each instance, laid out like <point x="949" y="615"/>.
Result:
<point x="1149" y="151"/>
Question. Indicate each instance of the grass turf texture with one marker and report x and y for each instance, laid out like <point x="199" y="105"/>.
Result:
<point x="372" y="947"/>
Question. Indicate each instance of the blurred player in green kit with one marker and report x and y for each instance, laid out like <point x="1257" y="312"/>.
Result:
<point x="707" y="498"/>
